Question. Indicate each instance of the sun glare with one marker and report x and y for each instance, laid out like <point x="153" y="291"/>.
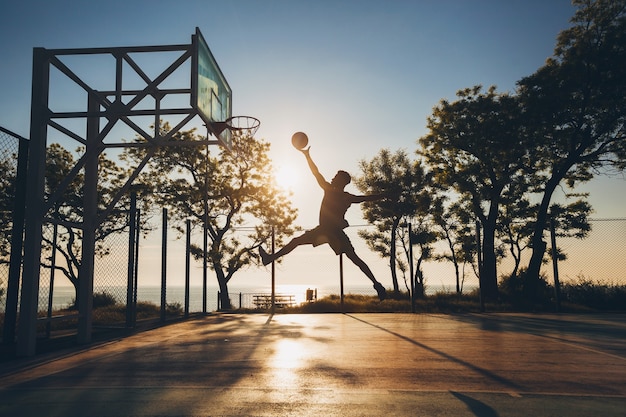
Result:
<point x="286" y="177"/>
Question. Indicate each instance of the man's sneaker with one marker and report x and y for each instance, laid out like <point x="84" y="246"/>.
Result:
<point x="382" y="293"/>
<point x="265" y="257"/>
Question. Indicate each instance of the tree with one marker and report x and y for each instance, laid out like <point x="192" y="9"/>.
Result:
<point x="476" y="147"/>
<point x="576" y="109"/>
<point x="68" y="211"/>
<point x="397" y="175"/>
<point x="423" y="237"/>
<point x="515" y="228"/>
<point x="456" y="228"/>
<point x="234" y="190"/>
<point x="518" y="218"/>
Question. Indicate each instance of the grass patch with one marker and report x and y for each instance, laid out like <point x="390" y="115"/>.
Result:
<point x="581" y="296"/>
<point x="116" y="313"/>
<point x="398" y="303"/>
<point x="107" y="315"/>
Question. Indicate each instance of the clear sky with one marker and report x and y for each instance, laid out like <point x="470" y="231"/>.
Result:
<point x="356" y="76"/>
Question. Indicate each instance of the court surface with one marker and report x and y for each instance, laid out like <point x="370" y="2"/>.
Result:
<point x="335" y="365"/>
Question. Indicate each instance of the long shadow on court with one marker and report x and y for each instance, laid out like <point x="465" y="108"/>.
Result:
<point x="486" y="373"/>
<point x="479" y="408"/>
<point x="605" y="332"/>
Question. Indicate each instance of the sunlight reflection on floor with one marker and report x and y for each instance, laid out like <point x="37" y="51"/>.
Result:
<point x="288" y="354"/>
<point x="288" y="357"/>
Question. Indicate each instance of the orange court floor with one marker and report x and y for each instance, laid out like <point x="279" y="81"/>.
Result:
<point x="370" y="364"/>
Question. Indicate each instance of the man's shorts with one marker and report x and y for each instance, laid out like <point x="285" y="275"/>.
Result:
<point x="336" y="238"/>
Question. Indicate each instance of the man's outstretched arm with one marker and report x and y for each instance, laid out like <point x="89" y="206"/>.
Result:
<point x="316" y="172"/>
<point x="368" y="197"/>
<point x="390" y="195"/>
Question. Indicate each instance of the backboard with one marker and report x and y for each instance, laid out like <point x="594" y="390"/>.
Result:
<point x="211" y="95"/>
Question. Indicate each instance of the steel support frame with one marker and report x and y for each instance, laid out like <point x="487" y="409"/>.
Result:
<point x="102" y="105"/>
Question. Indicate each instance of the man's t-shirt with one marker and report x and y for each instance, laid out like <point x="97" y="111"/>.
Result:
<point x="333" y="209"/>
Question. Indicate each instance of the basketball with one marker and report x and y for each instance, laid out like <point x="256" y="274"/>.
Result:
<point x="299" y="140"/>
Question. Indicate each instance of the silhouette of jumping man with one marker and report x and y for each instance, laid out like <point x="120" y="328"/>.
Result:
<point x="335" y="203"/>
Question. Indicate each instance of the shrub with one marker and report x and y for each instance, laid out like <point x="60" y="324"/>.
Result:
<point x="100" y="299"/>
<point x="103" y="299"/>
<point x="399" y="295"/>
<point x="174" y="309"/>
<point x="596" y="295"/>
<point x="518" y="291"/>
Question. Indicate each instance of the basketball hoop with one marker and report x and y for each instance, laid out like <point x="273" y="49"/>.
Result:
<point x="237" y="124"/>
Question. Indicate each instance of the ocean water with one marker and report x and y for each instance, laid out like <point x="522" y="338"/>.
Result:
<point x="239" y="296"/>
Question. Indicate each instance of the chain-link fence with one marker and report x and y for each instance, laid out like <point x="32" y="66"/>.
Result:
<point x="9" y="148"/>
<point x="600" y="257"/>
<point x="160" y="277"/>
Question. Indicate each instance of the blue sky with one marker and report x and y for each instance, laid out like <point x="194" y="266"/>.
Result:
<point x="356" y="76"/>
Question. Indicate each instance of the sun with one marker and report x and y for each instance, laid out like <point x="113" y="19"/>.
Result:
<point x="286" y="177"/>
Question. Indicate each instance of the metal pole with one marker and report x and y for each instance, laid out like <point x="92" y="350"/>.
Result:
<point x="555" y="265"/>
<point x="187" y="266"/>
<point x="53" y="257"/>
<point x="205" y="235"/>
<point x="27" y="327"/>
<point x="136" y="271"/>
<point x="205" y="250"/>
<point x="273" y="271"/>
<point x="343" y="310"/>
<point x="163" y="264"/>
<point x="130" y="285"/>
<point x="411" y="270"/>
<point x="90" y="220"/>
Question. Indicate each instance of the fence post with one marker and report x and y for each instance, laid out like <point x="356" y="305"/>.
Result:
<point x="187" y="266"/>
<point x="205" y="249"/>
<point x="343" y="309"/>
<point x="90" y="224"/>
<point x="53" y="262"/>
<point x="35" y="183"/>
<point x="273" y="309"/>
<point x="130" y="286"/>
<point x="411" y="270"/>
<point x="163" y="264"/>
<point x="136" y="267"/>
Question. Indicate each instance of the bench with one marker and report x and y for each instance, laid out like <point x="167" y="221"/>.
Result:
<point x="280" y="300"/>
